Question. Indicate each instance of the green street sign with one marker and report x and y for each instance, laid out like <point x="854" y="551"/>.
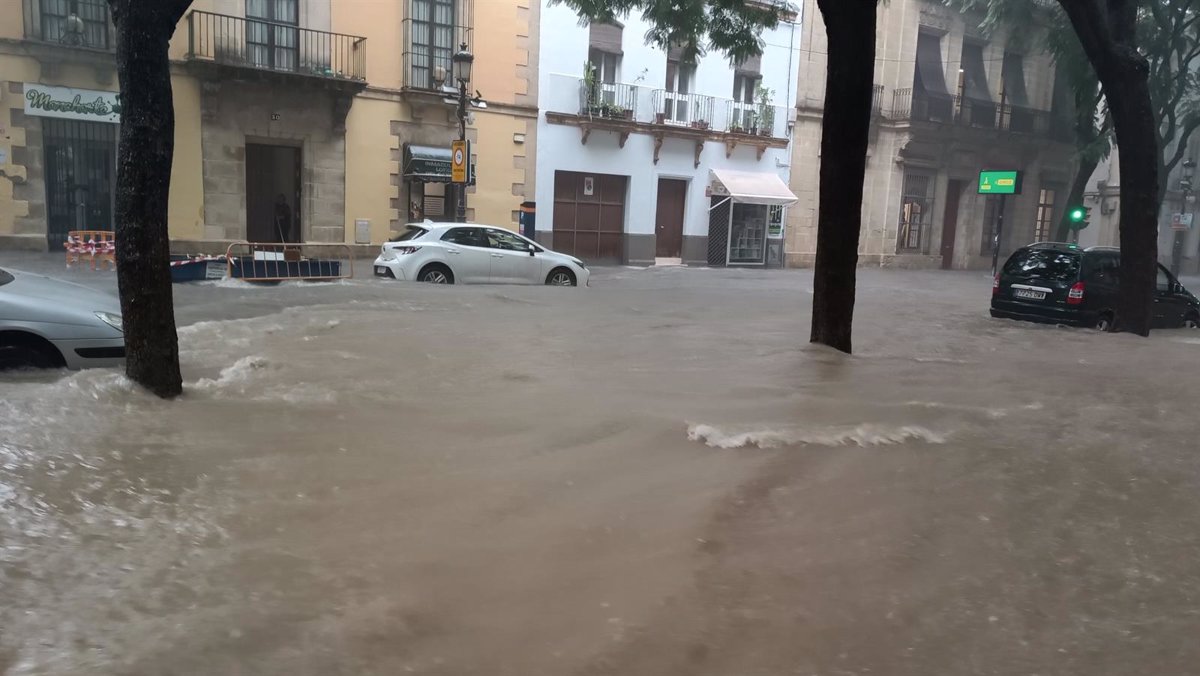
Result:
<point x="999" y="182"/>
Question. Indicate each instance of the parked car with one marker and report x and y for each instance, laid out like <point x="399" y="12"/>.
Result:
<point x="456" y="253"/>
<point x="1063" y="284"/>
<point x="49" y="323"/>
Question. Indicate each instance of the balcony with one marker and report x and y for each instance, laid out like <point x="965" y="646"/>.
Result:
<point x="221" y="43"/>
<point x="427" y="58"/>
<point x="626" y="109"/>
<point x="965" y="112"/>
<point x="80" y="24"/>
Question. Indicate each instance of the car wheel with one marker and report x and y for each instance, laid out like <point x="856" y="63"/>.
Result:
<point x="1104" y="322"/>
<point x="1191" y="322"/>
<point x="436" y="274"/>
<point x="22" y="351"/>
<point x="561" y="277"/>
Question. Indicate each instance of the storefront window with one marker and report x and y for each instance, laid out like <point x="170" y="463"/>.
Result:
<point x="748" y="234"/>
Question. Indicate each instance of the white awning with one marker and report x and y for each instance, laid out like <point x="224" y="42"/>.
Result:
<point x="751" y="187"/>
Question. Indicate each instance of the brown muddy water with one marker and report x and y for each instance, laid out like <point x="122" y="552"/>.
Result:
<point x="656" y="475"/>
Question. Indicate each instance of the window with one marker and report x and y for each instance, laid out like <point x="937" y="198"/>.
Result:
<point x="1048" y="264"/>
<point x="466" y="237"/>
<point x="1163" y="280"/>
<point x="676" y="101"/>
<point x="411" y="233"/>
<point x="82" y="23"/>
<point x="1013" y="95"/>
<point x="604" y="50"/>
<point x="432" y="41"/>
<point x="500" y="239"/>
<point x="273" y="42"/>
<point x="916" y="212"/>
<point x="931" y="100"/>
<point x="976" y="106"/>
<point x="745" y="85"/>
<point x="1044" y="225"/>
<point x="1106" y="271"/>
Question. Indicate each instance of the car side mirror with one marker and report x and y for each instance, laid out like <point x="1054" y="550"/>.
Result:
<point x="532" y="251"/>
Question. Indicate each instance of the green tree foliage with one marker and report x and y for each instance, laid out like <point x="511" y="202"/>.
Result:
<point x="732" y="27"/>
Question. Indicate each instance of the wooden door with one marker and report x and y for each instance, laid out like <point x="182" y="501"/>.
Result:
<point x="950" y="222"/>
<point x="589" y="216"/>
<point x="672" y="196"/>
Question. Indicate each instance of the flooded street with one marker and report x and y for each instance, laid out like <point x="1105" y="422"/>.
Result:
<point x="657" y="475"/>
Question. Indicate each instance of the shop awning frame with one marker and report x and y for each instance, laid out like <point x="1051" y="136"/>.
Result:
<point x="751" y="187"/>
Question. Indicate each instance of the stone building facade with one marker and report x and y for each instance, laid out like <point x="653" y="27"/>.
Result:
<point x="950" y="101"/>
<point x="285" y="130"/>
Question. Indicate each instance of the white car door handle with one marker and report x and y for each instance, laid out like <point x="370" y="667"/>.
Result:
<point x="453" y="251"/>
<point x="497" y="255"/>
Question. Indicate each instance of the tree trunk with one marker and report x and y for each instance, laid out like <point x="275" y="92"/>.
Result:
<point x="1108" y="32"/>
<point x="845" y="131"/>
<point x="1087" y="167"/>
<point x="1128" y="93"/>
<point x="144" y="29"/>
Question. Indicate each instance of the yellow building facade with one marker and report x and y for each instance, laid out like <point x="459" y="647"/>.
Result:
<point x="296" y="120"/>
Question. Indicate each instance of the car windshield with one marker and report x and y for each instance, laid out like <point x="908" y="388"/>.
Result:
<point x="5" y="278"/>
<point x="413" y="232"/>
<point x="1044" y="263"/>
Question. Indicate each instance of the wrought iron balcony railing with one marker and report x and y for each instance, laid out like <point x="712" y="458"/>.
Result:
<point x="967" y="112"/>
<point x="265" y="45"/>
<point x="73" y="23"/>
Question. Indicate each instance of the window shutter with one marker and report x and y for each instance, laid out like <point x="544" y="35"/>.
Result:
<point x="605" y="37"/>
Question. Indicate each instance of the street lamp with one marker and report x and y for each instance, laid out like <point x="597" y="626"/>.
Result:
<point x="462" y="62"/>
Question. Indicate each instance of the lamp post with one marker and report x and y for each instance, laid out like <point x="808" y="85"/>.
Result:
<point x="1185" y="186"/>
<point x="462" y="60"/>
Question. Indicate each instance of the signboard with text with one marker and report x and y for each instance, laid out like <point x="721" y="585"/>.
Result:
<point x="1181" y="221"/>
<point x="999" y="182"/>
<point x="459" y="159"/>
<point x="72" y="104"/>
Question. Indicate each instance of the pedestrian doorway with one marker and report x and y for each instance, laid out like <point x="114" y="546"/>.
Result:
<point x="273" y="193"/>
<point x="672" y="200"/>
<point x="81" y="170"/>
<point x="954" y="192"/>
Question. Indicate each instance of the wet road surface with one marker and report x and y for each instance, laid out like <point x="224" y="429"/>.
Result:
<point x="657" y="475"/>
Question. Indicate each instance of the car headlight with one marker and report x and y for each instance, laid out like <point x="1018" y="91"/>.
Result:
<point x="112" y="320"/>
<point x="578" y="262"/>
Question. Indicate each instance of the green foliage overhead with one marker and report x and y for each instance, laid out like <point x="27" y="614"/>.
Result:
<point x="732" y="27"/>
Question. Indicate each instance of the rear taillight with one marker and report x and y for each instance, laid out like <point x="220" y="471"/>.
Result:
<point x="1075" y="295"/>
<point x="996" y="285"/>
<point x="405" y="249"/>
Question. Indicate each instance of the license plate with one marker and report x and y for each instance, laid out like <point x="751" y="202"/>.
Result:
<point x="1030" y="294"/>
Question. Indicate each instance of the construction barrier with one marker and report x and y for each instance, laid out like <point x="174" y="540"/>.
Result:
<point x="91" y="245"/>
<point x="274" y="262"/>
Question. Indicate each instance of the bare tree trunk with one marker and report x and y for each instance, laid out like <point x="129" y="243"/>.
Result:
<point x="144" y="29"/>
<point x="1087" y="167"/>
<point x="1107" y="31"/>
<point x="845" y="131"/>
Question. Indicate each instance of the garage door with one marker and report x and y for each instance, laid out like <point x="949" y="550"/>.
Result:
<point x="589" y="216"/>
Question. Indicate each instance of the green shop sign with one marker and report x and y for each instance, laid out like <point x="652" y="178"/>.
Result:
<point x="72" y="104"/>
<point x="999" y="182"/>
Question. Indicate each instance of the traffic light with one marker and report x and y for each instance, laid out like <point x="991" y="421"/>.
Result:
<point x="1079" y="216"/>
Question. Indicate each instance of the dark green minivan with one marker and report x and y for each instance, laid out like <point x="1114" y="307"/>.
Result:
<point x="1063" y="284"/>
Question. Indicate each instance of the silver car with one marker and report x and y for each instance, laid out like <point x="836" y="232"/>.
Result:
<point x="49" y="323"/>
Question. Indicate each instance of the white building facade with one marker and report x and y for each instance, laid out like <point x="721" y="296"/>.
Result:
<point x="643" y="158"/>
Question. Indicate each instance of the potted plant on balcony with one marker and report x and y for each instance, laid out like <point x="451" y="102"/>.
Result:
<point x="591" y="91"/>
<point x="699" y="124"/>
<point x="766" y="112"/>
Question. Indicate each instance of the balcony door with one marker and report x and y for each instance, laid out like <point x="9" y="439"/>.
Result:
<point x="676" y="99"/>
<point x="273" y="42"/>
<point x="432" y="42"/>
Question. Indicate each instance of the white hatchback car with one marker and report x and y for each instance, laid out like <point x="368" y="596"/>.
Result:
<point x="450" y="253"/>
